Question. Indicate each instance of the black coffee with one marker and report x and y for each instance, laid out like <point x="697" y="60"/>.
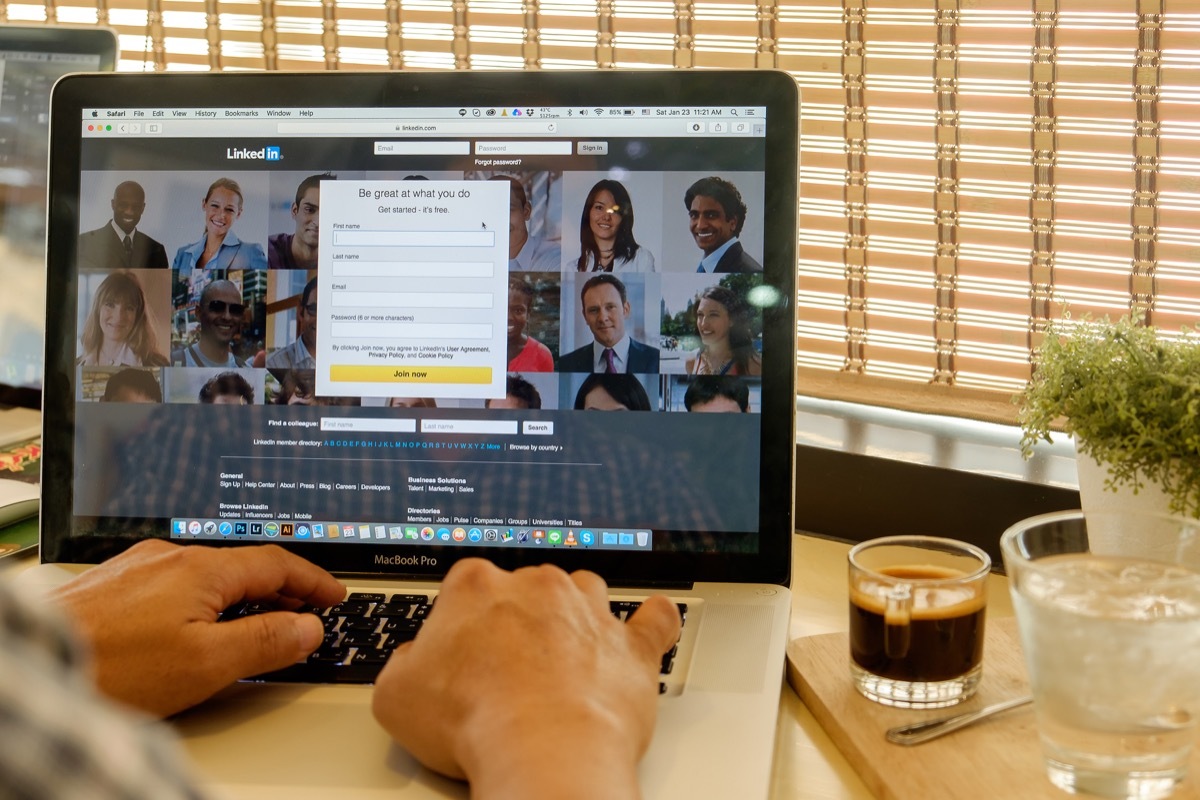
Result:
<point x="943" y="637"/>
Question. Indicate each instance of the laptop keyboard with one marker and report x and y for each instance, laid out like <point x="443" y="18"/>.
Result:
<point x="363" y="630"/>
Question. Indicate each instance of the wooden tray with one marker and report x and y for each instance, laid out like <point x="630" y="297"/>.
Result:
<point x="997" y="758"/>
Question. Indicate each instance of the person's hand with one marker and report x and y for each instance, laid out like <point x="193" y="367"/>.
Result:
<point x="149" y="617"/>
<point x="526" y="684"/>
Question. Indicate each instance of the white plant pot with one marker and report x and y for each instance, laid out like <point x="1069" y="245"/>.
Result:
<point x="1121" y="522"/>
<point x="1093" y="496"/>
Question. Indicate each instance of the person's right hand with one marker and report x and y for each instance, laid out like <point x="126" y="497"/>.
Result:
<point x="525" y="684"/>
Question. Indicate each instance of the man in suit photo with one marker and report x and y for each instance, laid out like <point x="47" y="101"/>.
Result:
<point x="605" y="309"/>
<point x="119" y="244"/>
<point x="716" y="214"/>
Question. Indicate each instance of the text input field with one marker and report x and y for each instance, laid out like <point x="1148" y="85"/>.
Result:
<point x="369" y="425"/>
<point x="411" y="299"/>
<point x="411" y="330"/>
<point x="506" y="427"/>
<point x="481" y="238"/>
<point x="389" y="263"/>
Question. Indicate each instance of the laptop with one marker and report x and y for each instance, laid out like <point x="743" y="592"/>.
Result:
<point x="32" y="58"/>
<point x="389" y="321"/>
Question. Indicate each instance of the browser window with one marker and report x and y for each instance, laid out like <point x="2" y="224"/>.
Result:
<point x="476" y="326"/>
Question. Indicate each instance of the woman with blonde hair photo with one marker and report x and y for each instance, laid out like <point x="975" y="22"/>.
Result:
<point x="118" y="331"/>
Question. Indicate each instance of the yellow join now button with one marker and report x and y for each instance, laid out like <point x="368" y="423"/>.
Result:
<point x="351" y="373"/>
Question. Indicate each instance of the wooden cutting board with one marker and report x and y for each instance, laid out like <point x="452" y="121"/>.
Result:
<point x="997" y="758"/>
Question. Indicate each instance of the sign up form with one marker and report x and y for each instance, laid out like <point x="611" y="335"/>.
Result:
<point x="413" y="288"/>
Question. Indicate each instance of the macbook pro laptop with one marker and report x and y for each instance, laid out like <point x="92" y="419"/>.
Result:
<point x="389" y="321"/>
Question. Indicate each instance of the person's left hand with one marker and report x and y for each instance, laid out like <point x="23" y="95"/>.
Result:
<point x="149" y="617"/>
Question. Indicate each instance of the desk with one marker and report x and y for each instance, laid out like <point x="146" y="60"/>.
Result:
<point x="807" y="764"/>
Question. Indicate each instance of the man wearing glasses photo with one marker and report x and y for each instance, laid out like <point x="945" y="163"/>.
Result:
<point x="301" y="354"/>
<point x="219" y="314"/>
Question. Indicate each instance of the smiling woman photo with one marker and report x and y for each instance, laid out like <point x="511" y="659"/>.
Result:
<point x="606" y="233"/>
<point x="726" y="343"/>
<point x="118" y="331"/>
<point x="219" y="247"/>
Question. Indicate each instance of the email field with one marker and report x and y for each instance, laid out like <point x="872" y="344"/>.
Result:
<point x="343" y="299"/>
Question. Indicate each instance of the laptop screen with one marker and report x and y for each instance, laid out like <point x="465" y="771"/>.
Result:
<point x="426" y="328"/>
<point x="31" y="60"/>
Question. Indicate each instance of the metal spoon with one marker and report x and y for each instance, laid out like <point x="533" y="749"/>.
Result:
<point x="919" y="732"/>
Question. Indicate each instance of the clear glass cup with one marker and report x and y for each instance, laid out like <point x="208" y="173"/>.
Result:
<point x="1108" y="607"/>
<point x="917" y="606"/>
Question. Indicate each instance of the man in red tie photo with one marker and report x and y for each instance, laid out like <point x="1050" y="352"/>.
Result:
<point x="606" y="308"/>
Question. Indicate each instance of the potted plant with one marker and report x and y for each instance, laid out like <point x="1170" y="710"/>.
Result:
<point x="1131" y="399"/>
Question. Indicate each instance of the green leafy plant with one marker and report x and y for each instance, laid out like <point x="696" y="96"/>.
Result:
<point x="1129" y="396"/>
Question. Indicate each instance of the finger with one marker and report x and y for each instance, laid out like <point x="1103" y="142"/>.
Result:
<point x="267" y="571"/>
<point x="592" y="586"/>
<point x="262" y="643"/>
<point x="656" y="624"/>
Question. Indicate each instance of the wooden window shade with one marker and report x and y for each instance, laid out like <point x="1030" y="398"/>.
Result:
<point x="969" y="168"/>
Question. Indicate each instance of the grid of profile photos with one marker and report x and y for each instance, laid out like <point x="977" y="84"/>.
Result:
<point x="637" y="291"/>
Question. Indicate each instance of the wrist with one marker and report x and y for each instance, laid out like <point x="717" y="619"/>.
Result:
<point x="544" y="749"/>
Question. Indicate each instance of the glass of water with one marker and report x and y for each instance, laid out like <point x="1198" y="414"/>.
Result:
<point x="1108" y="607"/>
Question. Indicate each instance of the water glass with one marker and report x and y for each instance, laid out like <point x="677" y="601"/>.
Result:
<point x="1108" y="607"/>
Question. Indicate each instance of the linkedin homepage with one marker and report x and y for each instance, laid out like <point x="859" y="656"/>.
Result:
<point x="303" y="334"/>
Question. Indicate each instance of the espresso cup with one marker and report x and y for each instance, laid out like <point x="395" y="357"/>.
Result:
<point x="917" y="606"/>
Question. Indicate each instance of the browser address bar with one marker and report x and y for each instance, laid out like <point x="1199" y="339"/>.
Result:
<point x="422" y="127"/>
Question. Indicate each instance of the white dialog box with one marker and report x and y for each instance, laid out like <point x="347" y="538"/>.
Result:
<point x="412" y="287"/>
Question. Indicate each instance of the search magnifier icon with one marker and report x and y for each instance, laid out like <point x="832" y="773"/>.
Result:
<point x="733" y="111"/>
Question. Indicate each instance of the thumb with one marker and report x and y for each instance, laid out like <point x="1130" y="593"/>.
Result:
<point x="266" y="642"/>
<point x="656" y="625"/>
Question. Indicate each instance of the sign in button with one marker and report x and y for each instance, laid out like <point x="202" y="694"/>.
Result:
<point x="409" y="374"/>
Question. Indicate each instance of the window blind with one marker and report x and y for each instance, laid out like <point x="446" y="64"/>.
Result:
<point x="969" y="168"/>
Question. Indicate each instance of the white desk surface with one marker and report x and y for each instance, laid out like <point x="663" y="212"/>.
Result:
<point x="807" y="764"/>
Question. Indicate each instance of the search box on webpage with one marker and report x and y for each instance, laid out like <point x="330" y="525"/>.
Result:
<point x="506" y="427"/>
<point x="367" y="425"/>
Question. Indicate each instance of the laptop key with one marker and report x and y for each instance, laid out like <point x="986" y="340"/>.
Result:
<point x="360" y="624"/>
<point x="410" y="599"/>
<point x="367" y="597"/>
<point x="361" y="639"/>
<point x="393" y="609"/>
<point x="399" y="624"/>
<point x="371" y="656"/>
<point x="329" y="655"/>
<point x="349" y="608"/>
<point x="396" y="638"/>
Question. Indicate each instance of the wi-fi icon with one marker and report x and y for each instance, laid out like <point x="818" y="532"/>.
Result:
<point x="599" y="111"/>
